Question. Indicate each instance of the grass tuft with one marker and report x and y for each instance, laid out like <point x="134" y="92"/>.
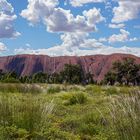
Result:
<point x="125" y="114"/>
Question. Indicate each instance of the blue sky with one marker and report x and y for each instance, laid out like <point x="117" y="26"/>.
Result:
<point x="69" y="27"/>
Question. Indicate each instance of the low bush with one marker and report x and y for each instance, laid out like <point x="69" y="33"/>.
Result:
<point x="110" y="90"/>
<point x="76" y="98"/>
<point x="53" y="89"/>
<point x="93" y="89"/>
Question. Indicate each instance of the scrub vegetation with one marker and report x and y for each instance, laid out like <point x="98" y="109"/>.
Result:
<point x="69" y="112"/>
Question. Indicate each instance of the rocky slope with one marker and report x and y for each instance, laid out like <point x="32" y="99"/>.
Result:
<point x="29" y="64"/>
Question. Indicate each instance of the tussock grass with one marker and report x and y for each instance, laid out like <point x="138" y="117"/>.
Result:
<point x="53" y="89"/>
<point x="125" y="113"/>
<point x="67" y="112"/>
<point x="28" y="113"/>
<point x="20" y="88"/>
<point x="73" y="98"/>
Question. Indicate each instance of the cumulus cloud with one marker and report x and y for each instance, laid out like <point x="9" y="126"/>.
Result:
<point x="58" y="19"/>
<point x="133" y="39"/>
<point x="126" y="10"/>
<point x="103" y="39"/>
<point x="75" y="44"/>
<point x="5" y="6"/>
<point x="77" y="3"/>
<point x="27" y="45"/>
<point x="80" y="44"/>
<point x="39" y="9"/>
<point x="7" y="18"/>
<point x="2" y="47"/>
<point x="63" y="21"/>
<point x="93" y="16"/>
<point x="122" y="37"/>
<point x="116" y="26"/>
<point x="108" y="5"/>
<point x="75" y="28"/>
<point x="81" y="52"/>
<point x="72" y="44"/>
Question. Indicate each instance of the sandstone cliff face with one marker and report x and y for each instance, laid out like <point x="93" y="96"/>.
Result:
<point x="29" y="64"/>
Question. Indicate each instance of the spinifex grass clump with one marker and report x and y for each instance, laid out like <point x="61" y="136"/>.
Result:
<point x="125" y="113"/>
<point x="53" y="89"/>
<point x="23" y="116"/>
<point x="20" y="88"/>
<point x="75" y="98"/>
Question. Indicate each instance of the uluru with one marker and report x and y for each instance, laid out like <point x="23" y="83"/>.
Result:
<point x="98" y="65"/>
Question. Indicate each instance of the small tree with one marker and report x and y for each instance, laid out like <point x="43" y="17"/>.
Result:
<point x="72" y="74"/>
<point x="1" y="74"/>
<point x="110" y="78"/>
<point x="55" y="78"/>
<point x="40" y="77"/>
<point x="124" y="72"/>
<point x="89" y="78"/>
<point x="10" y="77"/>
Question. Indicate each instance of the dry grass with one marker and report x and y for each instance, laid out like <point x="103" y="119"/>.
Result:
<point x="125" y="114"/>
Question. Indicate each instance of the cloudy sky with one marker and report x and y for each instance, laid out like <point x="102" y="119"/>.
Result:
<point x="69" y="27"/>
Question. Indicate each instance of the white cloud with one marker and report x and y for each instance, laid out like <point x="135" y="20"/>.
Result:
<point x="5" y="6"/>
<point x="2" y="47"/>
<point x="93" y="16"/>
<point x="27" y="45"/>
<point x="81" y="52"/>
<point x="127" y="10"/>
<point x="63" y="21"/>
<point x="77" y="3"/>
<point x="7" y="18"/>
<point x="57" y="19"/>
<point x="133" y="39"/>
<point x="75" y="38"/>
<point x="108" y="5"/>
<point x="103" y="39"/>
<point x="81" y="44"/>
<point x="122" y="37"/>
<point x="72" y="44"/>
<point x="38" y="9"/>
<point x="116" y="25"/>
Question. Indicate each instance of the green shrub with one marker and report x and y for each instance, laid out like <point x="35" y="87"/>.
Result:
<point x="90" y="129"/>
<point x="93" y="89"/>
<point x="53" y="89"/>
<point x="76" y="98"/>
<point x="70" y="124"/>
<point x="109" y="90"/>
<point x="56" y="134"/>
<point x="11" y="80"/>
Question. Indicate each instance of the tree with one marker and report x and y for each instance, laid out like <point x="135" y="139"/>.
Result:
<point x="72" y="74"/>
<point x="125" y="72"/>
<point x="40" y="77"/>
<point x="110" y="78"/>
<point x="10" y="77"/>
<point x="89" y="78"/>
<point x="55" y="78"/>
<point x="1" y="74"/>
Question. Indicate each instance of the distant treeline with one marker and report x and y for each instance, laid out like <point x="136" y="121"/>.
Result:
<point x="125" y="72"/>
<point x="71" y="74"/>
